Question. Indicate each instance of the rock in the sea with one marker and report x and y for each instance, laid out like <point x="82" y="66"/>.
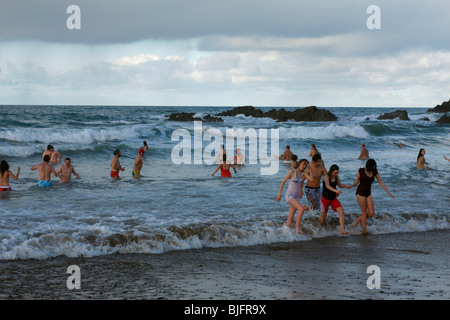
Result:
<point x="189" y="116"/>
<point x="306" y="114"/>
<point x="401" y="114"/>
<point x="443" y="108"/>
<point x="444" y="119"/>
<point x="246" y="111"/>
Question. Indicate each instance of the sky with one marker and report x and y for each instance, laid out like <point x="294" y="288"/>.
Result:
<point x="282" y="53"/>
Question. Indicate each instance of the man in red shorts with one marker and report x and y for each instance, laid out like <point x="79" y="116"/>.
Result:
<point x="115" y="165"/>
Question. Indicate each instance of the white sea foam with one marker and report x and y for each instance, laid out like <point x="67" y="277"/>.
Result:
<point x="323" y="132"/>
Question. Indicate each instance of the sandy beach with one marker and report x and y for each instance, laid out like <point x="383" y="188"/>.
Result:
<point x="412" y="266"/>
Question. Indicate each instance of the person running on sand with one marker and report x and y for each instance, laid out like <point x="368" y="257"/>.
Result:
<point x="66" y="170"/>
<point x="365" y="177"/>
<point x="115" y="165"/>
<point x="312" y="189"/>
<point x="296" y="176"/>
<point x="364" y="152"/>
<point x="138" y="163"/>
<point x="329" y="196"/>
<point x="224" y="168"/>
<point x="287" y="154"/>
<point x="5" y="174"/>
<point x="421" y="160"/>
<point x="45" y="171"/>
<point x="53" y="154"/>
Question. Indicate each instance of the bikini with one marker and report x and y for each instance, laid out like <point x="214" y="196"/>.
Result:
<point x="5" y="188"/>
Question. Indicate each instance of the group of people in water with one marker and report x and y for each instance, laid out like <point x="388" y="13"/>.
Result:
<point x="322" y="199"/>
<point x="302" y="175"/>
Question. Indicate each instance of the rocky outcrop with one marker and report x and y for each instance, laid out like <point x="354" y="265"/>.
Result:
<point x="189" y="116"/>
<point x="306" y="114"/>
<point x="401" y="114"/>
<point x="443" y="108"/>
<point x="247" y="111"/>
<point x="444" y="119"/>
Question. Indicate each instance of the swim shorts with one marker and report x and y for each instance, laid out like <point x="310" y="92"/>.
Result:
<point x="114" y="174"/>
<point x="44" y="183"/>
<point x="325" y="203"/>
<point x="5" y="188"/>
<point x="313" y="195"/>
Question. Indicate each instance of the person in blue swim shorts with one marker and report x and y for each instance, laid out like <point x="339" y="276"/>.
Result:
<point x="45" y="171"/>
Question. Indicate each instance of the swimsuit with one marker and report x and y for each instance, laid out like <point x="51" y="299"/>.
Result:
<point x="44" y="183"/>
<point x="329" y="197"/>
<point x="114" y="174"/>
<point x="5" y="188"/>
<point x="365" y="182"/>
<point x="313" y="195"/>
<point x="293" y="190"/>
<point x="225" y="173"/>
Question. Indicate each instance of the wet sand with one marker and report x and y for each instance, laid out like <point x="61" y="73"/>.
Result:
<point x="412" y="266"/>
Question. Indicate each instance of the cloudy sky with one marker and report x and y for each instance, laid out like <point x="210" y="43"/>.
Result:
<point x="225" y="53"/>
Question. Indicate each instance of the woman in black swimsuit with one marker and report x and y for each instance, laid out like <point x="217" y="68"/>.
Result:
<point x="365" y="177"/>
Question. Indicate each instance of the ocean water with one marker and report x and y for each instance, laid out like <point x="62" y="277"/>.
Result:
<point x="179" y="207"/>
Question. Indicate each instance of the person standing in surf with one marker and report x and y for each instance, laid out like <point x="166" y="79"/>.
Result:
<point x="115" y="165"/>
<point x="296" y="176"/>
<point x="421" y="160"/>
<point x="364" y="152"/>
<point x="329" y="196"/>
<point x="5" y="174"/>
<point x="364" y="178"/>
<point x="224" y="168"/>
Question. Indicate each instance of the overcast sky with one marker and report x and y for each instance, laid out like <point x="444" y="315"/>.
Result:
<point x="225" y="53"/>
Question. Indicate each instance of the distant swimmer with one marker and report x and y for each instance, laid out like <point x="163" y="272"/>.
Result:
<point x="364" y="152"/>
<point x="296" y="176"/>
<point x="66" y="170"/>
<point x="145" y="145"/>
<point x="138" y="163"/>
<point x="421" y="160"/>
<point x="365" y="177"/>
<point x="329" y="196"/>
<point x="53" y="154"/>
<point x="45" y="171"/>
<point x="224" y="168"/>
<point x="115" y="165"/>
<point x="313" y="150"/>
<point x="312" y="189"/>
<point x="239" y="158"/>
<point x="287" y="154"/>
<point x="5" y="174"/>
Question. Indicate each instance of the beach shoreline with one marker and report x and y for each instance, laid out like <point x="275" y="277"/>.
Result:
<point x="413" y="266"/>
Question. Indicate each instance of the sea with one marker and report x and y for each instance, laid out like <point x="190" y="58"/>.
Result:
<point x="180" y="206"/>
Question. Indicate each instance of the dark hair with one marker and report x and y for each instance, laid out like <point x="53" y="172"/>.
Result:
<point x="316" y="157"/>
<point x="294" y="158"/>
<point x="116" y="152"/>
<point x="420" y="154"/>
<point x="332" y="168"/>
<point x="50" y="147"/>
<point x="145" y="143"/>
<point x="67" y="159"/>
<point x="224" y="157"/>
<point x="289" y="147"/>
<point x="4" y="166"/>
<point x="371" y="165"/>
<point x="301" y="161"/>
<point x="46" y="158"/>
